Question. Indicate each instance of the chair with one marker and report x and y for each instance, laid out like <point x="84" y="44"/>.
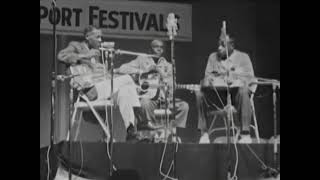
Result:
<point x="222" y="113"/>
<point x="80" y="106"/>
<point x="161" y="134"/>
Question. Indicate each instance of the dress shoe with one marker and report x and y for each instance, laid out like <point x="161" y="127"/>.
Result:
<point x="204" y="139"/>
<point x="173" y="138"/>
<point x="132" y="135"/>
<point x="148" y="126"/>
<point x="245" y="139"/>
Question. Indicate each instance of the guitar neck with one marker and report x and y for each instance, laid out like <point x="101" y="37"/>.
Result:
<point x="192" y="87"/>
<point x="237" y="74"/>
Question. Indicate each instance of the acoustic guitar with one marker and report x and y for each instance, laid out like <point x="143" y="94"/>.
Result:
<point x="86" y="77"/>
<point x="151" y="86"/>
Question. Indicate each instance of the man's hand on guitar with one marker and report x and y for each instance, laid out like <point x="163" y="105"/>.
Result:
<point x="98" y="66"/>
<point x="207" y="81"/>
<point x="229" y="79"/>
<point x="92" y="53"/>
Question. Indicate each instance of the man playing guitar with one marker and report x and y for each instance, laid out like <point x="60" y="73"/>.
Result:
<point x="163" y="71"/>
<point x="90" y="77"/>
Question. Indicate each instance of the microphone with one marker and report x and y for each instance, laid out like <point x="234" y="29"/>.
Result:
<point x="171" y="25"/>
<point x="64" y="77"/>
<point x="224" y="31"/>
<point x="107" y="46"/>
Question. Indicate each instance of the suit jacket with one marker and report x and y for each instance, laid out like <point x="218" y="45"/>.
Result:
<point x="70" y="54"/>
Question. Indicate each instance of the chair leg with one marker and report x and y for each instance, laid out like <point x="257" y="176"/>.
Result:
<point x="210" y="130"/>
<point x="72" y="122"/>
<point x="106" y="122"/>
<point x="104" y="127"/>
<point x="233" y="128"/>
<point x="107" y="117"/>
<point x="78" y="126"/>
<point x="256" y="129"/>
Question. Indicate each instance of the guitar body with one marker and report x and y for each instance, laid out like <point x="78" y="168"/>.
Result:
<point x="86" y="77"/>
<point x="152" y="86"/>
<point x="149" y="85"/>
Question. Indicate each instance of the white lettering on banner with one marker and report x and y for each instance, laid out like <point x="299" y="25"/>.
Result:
<point x="128" y="19"/>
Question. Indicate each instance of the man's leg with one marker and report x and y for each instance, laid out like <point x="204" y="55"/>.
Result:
<point x="242" y="103"/>
<point x="104" y="87"/>
<point x="202" y="124"/>
<point x="127" y="99"/>
<point x="125" y="96"/>
<point x="182" y="109"/>
<point x="149" y="118"/>
<point x="202" y="118"/>
<point x="181" y="116"/>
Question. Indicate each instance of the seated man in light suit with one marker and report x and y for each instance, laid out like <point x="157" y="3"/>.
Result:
<point x="84" y="57"/>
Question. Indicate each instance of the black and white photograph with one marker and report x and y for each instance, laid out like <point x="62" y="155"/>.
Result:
<point x="159" y="90"/>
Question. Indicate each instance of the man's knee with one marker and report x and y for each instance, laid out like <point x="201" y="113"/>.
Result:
<point x="91" y="93"/>
<point x="244" y="90"/>
<point x="124" y="91"/>
<point x="184" y="106"/>
<point x="145" y="102"/>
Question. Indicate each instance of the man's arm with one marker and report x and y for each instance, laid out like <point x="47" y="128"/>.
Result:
<point x="70" y="55"/>
<point x="247" y="69"/>
<point x="133" y="67"/>
<point x="211" y="68"/>
<point x="246" y="65"/>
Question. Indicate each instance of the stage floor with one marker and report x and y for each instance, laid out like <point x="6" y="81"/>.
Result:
<point x="142" y="161"/>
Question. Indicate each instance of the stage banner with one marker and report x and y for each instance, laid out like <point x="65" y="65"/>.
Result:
<point x="123" y="19"/>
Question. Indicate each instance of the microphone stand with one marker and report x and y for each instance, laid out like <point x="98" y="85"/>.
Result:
<point x="53" y="79"/>
<point x="166" y="91"/>
<point x="272" y="172"/>
<point x="229" y="107"/>
<point x="53" y="90"/>
<point x="171" y="37"/>
<point x="275" y="146"/>
<point x="109" y="53"/>
<point x="62" y="78"/>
